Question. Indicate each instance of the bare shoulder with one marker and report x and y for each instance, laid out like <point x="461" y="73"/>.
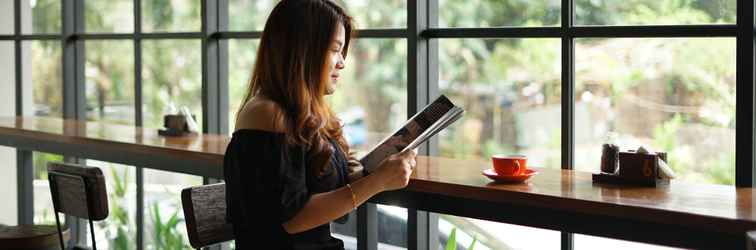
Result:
<point x="261" y="114"/>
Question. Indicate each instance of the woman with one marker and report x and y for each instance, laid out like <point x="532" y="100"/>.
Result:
<point x="286" y="167"/>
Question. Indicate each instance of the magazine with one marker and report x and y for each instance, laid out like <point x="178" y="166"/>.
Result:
<point x="422" y="126"/>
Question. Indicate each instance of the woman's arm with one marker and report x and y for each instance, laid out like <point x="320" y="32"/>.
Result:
<point x="393" y="173"/>
<point x="326" y="207"/>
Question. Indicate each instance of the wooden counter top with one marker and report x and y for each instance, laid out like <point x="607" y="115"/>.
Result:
<point x="200" y="154"/>
<point x="680" y="214"/>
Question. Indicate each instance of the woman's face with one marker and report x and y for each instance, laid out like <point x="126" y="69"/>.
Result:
<point x="335" y="61"/>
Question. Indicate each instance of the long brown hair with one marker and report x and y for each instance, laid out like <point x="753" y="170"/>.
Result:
<point x="291" y="71"/>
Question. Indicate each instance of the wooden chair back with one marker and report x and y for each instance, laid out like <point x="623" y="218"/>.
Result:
<point x="205" y="214"/>
<point x="78" y="190"/>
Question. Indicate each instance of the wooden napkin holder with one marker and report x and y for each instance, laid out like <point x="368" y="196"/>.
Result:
<point x="175" y="125"/>
<point x="636" y="169"/>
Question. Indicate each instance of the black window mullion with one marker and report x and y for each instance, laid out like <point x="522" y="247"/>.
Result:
<point x="223" y="33"/>
<point x="39" y="37"/>
<point x="367" y="226"/>
<point x="214" y="82"/>
<point x="80" y="100"/>
<point x="417" y="47"/>
<point x="384" y="33"/>
<point x="138" y="119"/>
<point x="215" y="70"/>
<point x="744" y="123"/>
<point x="73" y="61"/>
<point x="24" y="163"/>
<point x="24" y="160"/>
<point x="222" y="77"/>
<point x="493" y="32"/>
<point x="655" y="31"/>
<point x="238" y="35"/>
<point x="568" y="100"/>
<point x="432" y="90"/>
<point x="568" y="87"/>
<point x="417" y="96"/>
<point x="210" y="93"/>
<point x="17" y="50"/>
<point x="74" y="99"/>
<point x="105" y="36"/>
<point x="138" y="98"/>
<point x="712" y="30"/>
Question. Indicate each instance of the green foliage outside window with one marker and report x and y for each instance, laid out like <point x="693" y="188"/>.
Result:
<point x="654" y="12"/>
<point x="451" y="244"/>
<point x="45" y="16"/>
<point x="166" y="235"/>
<point x="120" y="231"/>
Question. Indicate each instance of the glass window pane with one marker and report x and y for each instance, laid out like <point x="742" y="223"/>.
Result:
<point x="374" y="65"/>
<point x="511" y="92"/>
<point x="172" y="74"/>
<point x="494" y="235"/>
<point x="41" y="17"/>
<point x="109" y="71"/>
<point x="377" y="14"/>
<point x="114" y="16"/>
<point x="346" y="232"/>
<point x="43" y="67"/>
<point x="249" y="15"/>
<point x="8" y="77"/>
<point x="118" y="230"/>
<point x="499" y="13"/>
<point x="240" y="66"/>
<point x="654" y="12"/>
<point x="378" y="67"/>
<point x="9" y="194"/>
<point x="7" y="22"/>
<point x="43" y="207"/>
<point x="171" y="16"/>
<point x="392" y="227"/>
<point x="164" y="226"/>
<point x="684" y="90"/>
<point x="587" y="242"/>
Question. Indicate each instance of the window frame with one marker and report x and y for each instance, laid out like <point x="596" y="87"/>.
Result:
<point x="421" y="34"/>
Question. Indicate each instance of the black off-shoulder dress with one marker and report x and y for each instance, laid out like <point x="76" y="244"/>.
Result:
<point x="268" y="182"/>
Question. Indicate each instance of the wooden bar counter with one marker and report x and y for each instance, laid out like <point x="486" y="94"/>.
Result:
<point x="681" y="214"/>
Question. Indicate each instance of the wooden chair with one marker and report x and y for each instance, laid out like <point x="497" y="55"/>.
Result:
<point x="205" y="215"/>
<point x="78" y="191"/>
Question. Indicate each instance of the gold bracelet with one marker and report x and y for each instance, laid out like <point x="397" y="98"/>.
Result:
<point x="354" y="198"/>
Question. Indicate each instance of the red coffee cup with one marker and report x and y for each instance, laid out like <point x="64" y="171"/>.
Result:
<point x="510" y="164"/>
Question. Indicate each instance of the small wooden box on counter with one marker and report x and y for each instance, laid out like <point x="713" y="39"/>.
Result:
<point x="175" y="125"/>
<point x="636" y="169"/>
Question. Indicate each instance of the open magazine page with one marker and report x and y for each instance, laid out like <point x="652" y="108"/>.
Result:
<point x="419" y="128"/>
<point x="450" y="117"/>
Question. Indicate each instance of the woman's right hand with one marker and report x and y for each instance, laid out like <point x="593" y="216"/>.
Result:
<point x="395" y="170"/>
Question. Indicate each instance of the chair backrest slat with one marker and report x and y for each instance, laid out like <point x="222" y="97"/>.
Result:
<point x="205" y="214"/>
<point x="70" y="193"/>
